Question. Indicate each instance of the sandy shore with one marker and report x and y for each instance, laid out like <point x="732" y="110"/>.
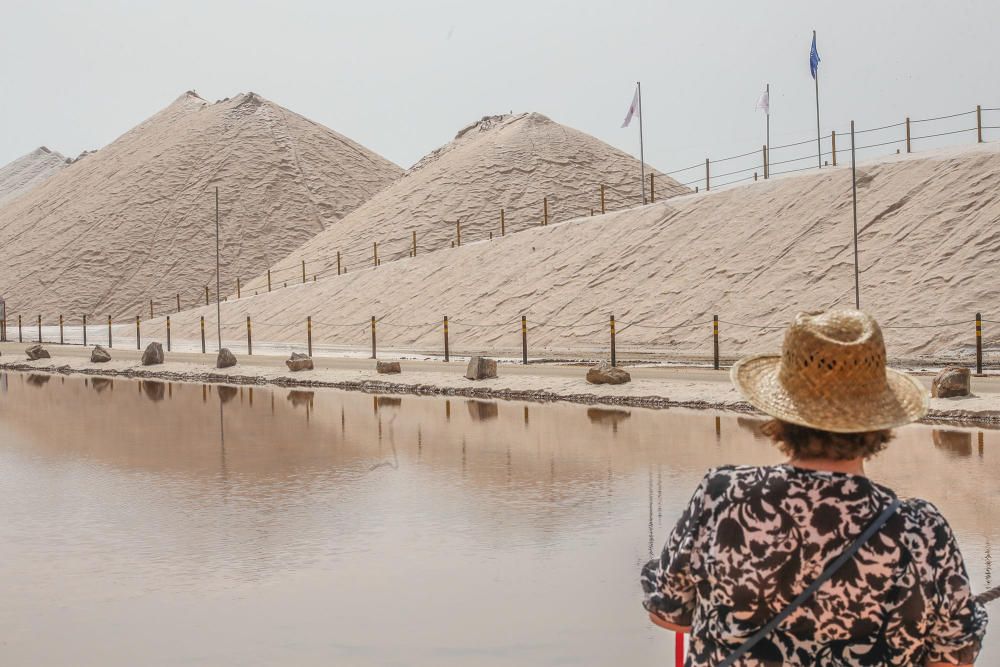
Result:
<point x="652" y="387"/>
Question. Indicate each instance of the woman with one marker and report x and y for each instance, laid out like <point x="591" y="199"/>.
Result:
<point x="753" y="538"/>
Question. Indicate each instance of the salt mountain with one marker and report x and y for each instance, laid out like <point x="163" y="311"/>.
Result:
<point x="28" y="171"/>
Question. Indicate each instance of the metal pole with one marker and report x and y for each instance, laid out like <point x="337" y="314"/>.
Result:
<point x="907" y="134"/>
<point x="218" y="284"/>
<point x="524" y="340"/>
<point x="642" y="156"/>
<point x="833" y="146"/>
<point x="854" y="202"/>
<point x="979" y="123"/>
<point x="447" y="357"/>
<point x="819" y="151"/>
<point x="707" y="182"/>
<point x="979" y="344"/>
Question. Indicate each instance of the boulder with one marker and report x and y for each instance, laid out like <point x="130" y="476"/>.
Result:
<point x="605" y="373"/>
<point x="99" y="355"/>
<point x="152" y="355"/>
<point x="299" y="362"/>
<point x="481" y="368"/>
<point x="387" y="367"/>
<point x="37" y="352"/>
<point x="951" y="381"/>
<point x="225" y="358"/>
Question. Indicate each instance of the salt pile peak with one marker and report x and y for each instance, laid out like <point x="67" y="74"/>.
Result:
<point x="526" y="164"/>
<point x="29" y="170"/>
<point x="135" y="221"/>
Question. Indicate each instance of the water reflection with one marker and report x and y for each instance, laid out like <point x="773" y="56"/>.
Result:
<point x="154" y="389"/>
<point x="38" y="379"/>
<point x="476" y="526"/>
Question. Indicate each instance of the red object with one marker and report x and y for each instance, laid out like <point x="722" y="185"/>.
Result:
<point x="679" y="649"/>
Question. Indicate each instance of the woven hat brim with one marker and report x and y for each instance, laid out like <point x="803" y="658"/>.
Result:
<point x="902" y="402"/>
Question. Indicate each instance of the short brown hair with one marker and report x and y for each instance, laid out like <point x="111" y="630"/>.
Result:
<point x="802" y="442"/>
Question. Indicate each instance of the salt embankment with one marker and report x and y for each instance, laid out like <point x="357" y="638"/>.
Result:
<point x="28" y="171"/>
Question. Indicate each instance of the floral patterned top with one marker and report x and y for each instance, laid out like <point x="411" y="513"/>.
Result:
<point x="752" y="538"/>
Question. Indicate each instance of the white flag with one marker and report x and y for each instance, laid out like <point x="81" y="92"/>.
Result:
<point x="765" y="102"/>
<point x="633" y="109"/>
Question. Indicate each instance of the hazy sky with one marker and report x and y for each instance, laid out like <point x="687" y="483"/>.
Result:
<point x="403" y="77"/>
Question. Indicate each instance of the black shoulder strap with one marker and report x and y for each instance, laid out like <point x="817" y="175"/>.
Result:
<point x="814" y="586"/>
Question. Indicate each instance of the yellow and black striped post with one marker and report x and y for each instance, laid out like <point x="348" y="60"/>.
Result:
<point x="503" y="224"/>
<point x="602" y="199"/>
<point x="614" y="359"/>
<point x="373" y="338"/>
<point x="203" y="334"/>
<point x="715" y="341"/>
<point x="138" y="337"/>
<point x="309" y="334"/>
<point x="61" y="330"/>
<point x="524" y="340"/>
<point x="303" y="270"/>
<point x="269" y="280"/>
<point x="979" y="344"/>
<point x="249" y="337"/>
<point x="447" y="357"/>
<point x="85" y="331"/>
<point x="168" y="333"/>
<point x="109" y="332"/>
<point x="545" y="211"/>
<point x="39" y="328"/>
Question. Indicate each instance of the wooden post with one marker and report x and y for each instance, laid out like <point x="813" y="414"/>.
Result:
<point x="61" y="339"/>
<point x="309" y="334"/>
<point x="249" y="337"/>
<point x="203" y="334"/>
<point x="303" y="270"/>
<point x="373" y="337"/>
<point x="545" y="211"/>
<point x="602" y="199"/>
<point x="833" y="146"/>
<point x="206" y="295"/>
<point x="85" y="331"/>
<point x="715" y="341"/>
<point x="707" y="182"/>
<point x="20" y="338"/>
<point x="613" y="357"/>
<point x="39" y="328"/>
<point x="458" y="233"/>
<point x="414" y="243"/>
<point x="150" y="309"/>
<point x="168" y="333"/>
<point x="979" y="123"/>
<point x="503" y="226"/>
<point x="237" y="288"/>
<point x="109" y="332"/>
<point x="652" y="193"/>
<point x="907" y="134"/>
<point x="524" y="340"/>
<point x="374" y="253"/>
<point x="447" y="357"/>
<point x="763" y="156"/>
<point x="138" y="336"/>
<point x="979" y="344"/>
<point x="755" y="177"/>
<point x="269" y="280"/>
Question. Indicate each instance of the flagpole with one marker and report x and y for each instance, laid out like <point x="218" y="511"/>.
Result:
<point x="819" y="150"/>
<point x="642" y="158"/>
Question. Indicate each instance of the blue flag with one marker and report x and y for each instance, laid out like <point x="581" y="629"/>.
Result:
<point x="813" y="58"/>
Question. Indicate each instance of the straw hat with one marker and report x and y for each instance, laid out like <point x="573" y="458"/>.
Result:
<point x="831" y="375"/>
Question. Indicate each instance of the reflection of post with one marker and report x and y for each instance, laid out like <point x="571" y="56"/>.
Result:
<point x="980" y="444"/>
<point x="718" y="429"/>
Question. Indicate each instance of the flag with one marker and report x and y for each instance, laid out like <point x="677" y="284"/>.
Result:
<point x="813" y="58"/>
<point x="765" y="102"/>
<point x="633" y="109"/>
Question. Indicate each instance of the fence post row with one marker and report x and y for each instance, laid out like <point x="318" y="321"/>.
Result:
<point x="249" y="338"/>
<point x="613" y="357"/>
<point x="309" y="334"/>
<point x="373" y="337"/>
<point x="979" y="344"/>
<point x="447" y="356"/>
<point x="715" y="342"/>
<point x="524" y="340"/>
<point x="138" y="338"/>
<point x="203" y="334"/>
<point x="168" y="333"/>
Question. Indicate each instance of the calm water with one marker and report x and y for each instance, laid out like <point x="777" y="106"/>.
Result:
<point x="175" y="524"/>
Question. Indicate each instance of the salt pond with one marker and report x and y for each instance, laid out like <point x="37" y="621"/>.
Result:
<point x="179" y="524"/>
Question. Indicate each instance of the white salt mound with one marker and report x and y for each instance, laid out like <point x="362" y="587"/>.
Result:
<point x="28" y="171"/>
<point x="511" y="162"/>
<point x="753" y="254"/>
<point x="136" y="220"/>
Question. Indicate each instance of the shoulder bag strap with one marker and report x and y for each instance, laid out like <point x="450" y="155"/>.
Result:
<point x="815" y="585"/>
